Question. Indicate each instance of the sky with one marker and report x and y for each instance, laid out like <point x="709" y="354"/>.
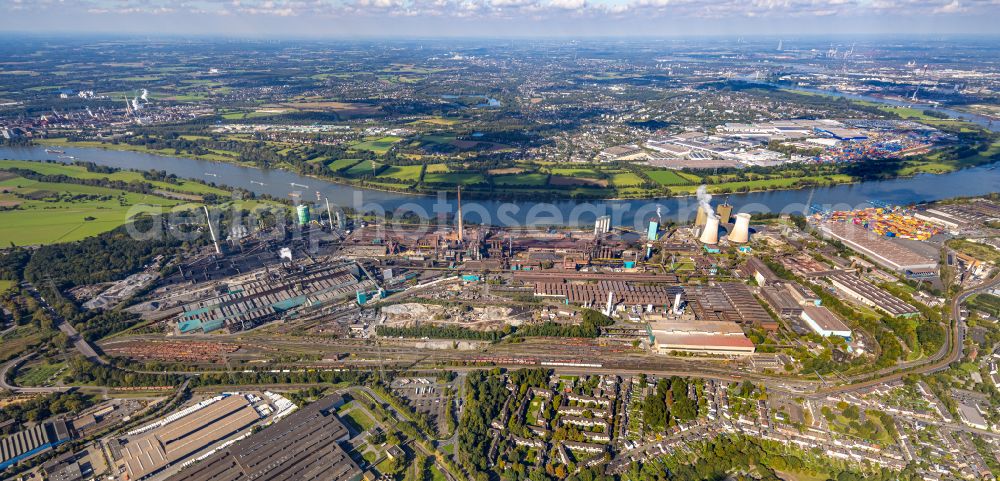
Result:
<point x="499" y="18"/>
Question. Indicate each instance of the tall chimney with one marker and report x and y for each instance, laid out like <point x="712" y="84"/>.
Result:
<point x="461" y="226"/>
<point x="710" y="235"/>
<point x="741" y="230"/>
<point x="208" y="219"/>
<point x="329" y="213"/>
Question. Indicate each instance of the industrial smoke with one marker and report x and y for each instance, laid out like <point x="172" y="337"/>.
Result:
<point x="705" y="202"/>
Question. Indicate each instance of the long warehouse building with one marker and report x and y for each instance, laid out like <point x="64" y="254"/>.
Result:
<point x="177" y="440"/>
<point x="700" y="337"/>
<point x="302" y="447"/>
<point x="25" y="444"/>
<point x="872" y="295"/>
<point x="885" y="252"/>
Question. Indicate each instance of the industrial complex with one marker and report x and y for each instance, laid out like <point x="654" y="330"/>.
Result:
<point x="303" y="446"/>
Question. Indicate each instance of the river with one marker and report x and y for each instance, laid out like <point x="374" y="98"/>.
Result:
<point x="279" y="183"/>
<point x="979" y="120"/>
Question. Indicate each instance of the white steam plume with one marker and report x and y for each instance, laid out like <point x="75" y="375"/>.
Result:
<point x="705" y="201"/>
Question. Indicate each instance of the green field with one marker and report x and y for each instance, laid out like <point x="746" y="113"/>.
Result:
<point x="985" y="302"/>
<point x="359" y="419"/>
<point x="16" y="341"/>
<point x="913" y="168"/>
<point x="402" y="172"/>
<point x="667" y="177"/>
<point x="767" y="184"/>
<point x="5" y="284"/>
<point x="436" y="474"/>
<point x="453" y="177"/>
<point x="534" y="180"/>
<point x="626" y="179"/>
<point x="342" y="164"/>
<point x="59" y="142"/>
<point x="47" y="168"/>
<point x="38" y="374"/>
<point x="378" y="146"/>
<point x="437" y="168"/>
<point x="574" y="172"/>
<point x="56" y="212"/>
<point x="362" y="168"/>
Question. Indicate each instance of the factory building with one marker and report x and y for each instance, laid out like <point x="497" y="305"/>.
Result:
<point x="781" y="301"/>
<point x="871" y="295"/>
<point x="824" y="322"/>
<point x="303" y="446"/>
<point x="621" y="294"/>
<point x="729" y="302"/>
<point x="268" y="294"/>
<point x="885" y="252"/>
<point x="802" y="295"/>
<point x="700" y="337"/>
<point x="972" y="416"/>
<point x="757" y="269"/>
<point x="31" y="442"/>
<point x="175" y="441"/>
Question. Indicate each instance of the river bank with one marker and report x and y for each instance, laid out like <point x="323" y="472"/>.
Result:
<point x="500" y="193"/>
<point x="280" y="183"/>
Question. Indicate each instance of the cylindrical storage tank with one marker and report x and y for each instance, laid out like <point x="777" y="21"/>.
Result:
<point x="741" y="230"/>
<point x="303" y="212"/>
<point x="710" y="235"/>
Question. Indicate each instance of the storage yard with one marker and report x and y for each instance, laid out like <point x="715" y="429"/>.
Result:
<point x="895" y="222"/>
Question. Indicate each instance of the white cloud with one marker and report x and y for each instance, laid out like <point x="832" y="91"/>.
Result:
<point x="529" y="10"/>
<point x="568" y="4"/>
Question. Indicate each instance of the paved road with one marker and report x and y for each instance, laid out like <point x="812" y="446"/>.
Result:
<point x="78" y="341"/>
<point x="10" y="365"/>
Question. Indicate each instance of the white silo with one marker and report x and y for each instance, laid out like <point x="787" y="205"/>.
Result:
<point x="710" y="234"/>
<point x="741" y="230"/>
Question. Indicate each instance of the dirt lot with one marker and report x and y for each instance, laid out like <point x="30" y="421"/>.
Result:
<point x="483" y="318"/>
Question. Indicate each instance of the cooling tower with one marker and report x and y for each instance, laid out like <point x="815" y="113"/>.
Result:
<point x="710" y="235"/>
<point x="741" y="230"/>
<point x="700" y="218"/>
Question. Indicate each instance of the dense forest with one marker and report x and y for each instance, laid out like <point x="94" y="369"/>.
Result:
<point x="106" y="257"/>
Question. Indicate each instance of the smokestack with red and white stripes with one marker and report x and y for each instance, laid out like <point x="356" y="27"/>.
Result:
<point x="741" y="230"/>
